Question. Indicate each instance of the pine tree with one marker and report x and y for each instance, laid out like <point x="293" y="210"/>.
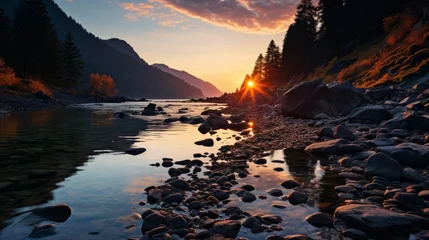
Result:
<point x="37" y="47"/>
<point x="331" y="18"/>
<point x="272" y="63"/>
<point x="73" y="63"/>
<point x="299" y="42"/>
<point x="5" y="37"/>
<point x="258" y="73"/>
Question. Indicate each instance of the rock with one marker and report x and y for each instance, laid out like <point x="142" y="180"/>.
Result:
<point x="424" y="194"/>
<point x="174" y="172"/>
<point x="152" y="221"/>
<point x="409" y="199"/>
<point x="167" y="164"/>
<point x="411" y="175"/>
<point x="206" y="142"/>
<point x="248" y="197"/>
<point x="238" y="126"/>
<point x="296" y="198"/>
<point x="248" y="187"/>
<point x="328" y="147"/>
<point x="135" y="151"/>
<point x="400" y="133"/>
<point x="180" y="184"/>
<point x="150" y="110"/>
<point x="154" y="195"/>
<point x="321" y="116"/>
<point x="409" y="120"/>
<point x="319" y="220"/>
<point x="374" y="219"/>
<point x="379" y="94"/>
<point x="382" y="165"/>
<point x="346" y="98"/>
<point x="274" y="237"/>
<point x="173" y="198"/>
<point x="381" y="142"/>
<point x="217" y="122"/>
<point x="195" y="205"/>
<point x="204" y="128"/>
<point x="343" y="132"/>
<point x="227" y="228"/>
<point x="43" y="230"/>
<point x="41" y="95"/>
<point x="326" y="132"/>
<point x="289" y="184"/>
<point x="370" y="114"/>
<point x="355" y="234"/>
<point x="275" y="192"/>
<point x="212" y="111"/>
<point x="220" y="195"/>
<point x="193" y="121"/>
<point x="156" y="231"/>
<point x="177" y="222"/>
<point x="297" y="237"/>
<point x="408" y="100"/>
<point x="410" y="154"/>
<point x="260" y="161"/>
<point x="219" y="237"/>
<point x="56" y="213"/>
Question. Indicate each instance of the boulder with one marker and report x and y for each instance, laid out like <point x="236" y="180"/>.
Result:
<point x="248" y="197"/>
<point x="177" y="222"/>
<point x="409" y="120"/>
<point x="212" y="111"/>
<point x="193" y="120"/>
<point x="346" y="98"/>
<point x="296" y="198"/>
<point x="56" y="213"/>
<point x="173" y="198"/>
<point x="227" y="228"/>
<point x="289" y="184"/>
<point x="217" y="122"/>
<point x="409" y="154"/>
<point x="326" y="132"/>
<point x="328" y="147"/>
<point x="378" y="94"/>
<point x="319" y="220"/>
<point x="343" y="132"/>
<point x="370" y="114"/>
<point x="382" y="165"/>
<point x="180" y="184"/>
<point x="374" y="219"/>
<point x="152" y="221"/>
<point x="135" y="151"/>
<point x="206" y="142"/>
<point x="204" y="128"/>
<point x="150" y="110"/>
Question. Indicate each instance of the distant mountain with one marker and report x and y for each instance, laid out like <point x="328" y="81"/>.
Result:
<point x="209" y="90"/>
<point x="133" y="76"/>
<point x="123" y="47"/>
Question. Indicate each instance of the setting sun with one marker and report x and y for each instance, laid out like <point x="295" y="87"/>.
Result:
<point x="250" y="84"/>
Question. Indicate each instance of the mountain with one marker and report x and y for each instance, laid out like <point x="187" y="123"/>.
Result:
<point x="123" y="47"/>
<point x="209" y="90"/>
<point x="133" y="76"/>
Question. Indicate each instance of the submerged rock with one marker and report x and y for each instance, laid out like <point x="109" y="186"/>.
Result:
<point x="57" y="213"/>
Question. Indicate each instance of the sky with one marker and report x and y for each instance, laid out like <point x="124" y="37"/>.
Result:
<point x="215" y="40"/>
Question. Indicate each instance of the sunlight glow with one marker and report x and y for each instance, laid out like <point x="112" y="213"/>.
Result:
<point x="250" y="84"/>
<point x="252" y="89"/>
<point x="251" y="124"/>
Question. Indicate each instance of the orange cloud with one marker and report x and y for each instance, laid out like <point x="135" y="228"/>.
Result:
<point x="259" y="16"/>
<point x="135" y="11"/>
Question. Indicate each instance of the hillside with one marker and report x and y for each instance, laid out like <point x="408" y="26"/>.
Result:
<point x="208" y="89"/>
<point x="123" y="47"/>
<point x="134" y="77"/>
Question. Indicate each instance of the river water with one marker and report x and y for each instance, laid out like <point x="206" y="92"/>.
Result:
<point x="75" y="156"/>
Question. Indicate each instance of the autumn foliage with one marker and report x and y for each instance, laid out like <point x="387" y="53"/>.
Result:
<point x="102" y="84"/>
<point x="9" y="79"/>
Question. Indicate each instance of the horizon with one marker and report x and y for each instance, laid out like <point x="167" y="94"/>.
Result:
<point x="218" y="46"/>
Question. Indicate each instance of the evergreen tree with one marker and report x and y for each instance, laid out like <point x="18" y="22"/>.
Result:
<point x="37" y="47"/>
<point x="331" y="18"/>
<point x="299" y="42"/>
<point x="258" y="73"/>
<point x="272" y="63"/>
<point x="73" y="63"/>
<point x="5" y="37"/>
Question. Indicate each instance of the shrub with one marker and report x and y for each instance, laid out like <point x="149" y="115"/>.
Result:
<point x="102" y="84"/>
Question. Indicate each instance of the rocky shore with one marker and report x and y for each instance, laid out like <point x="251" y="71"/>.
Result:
<point x="376" y="140"/>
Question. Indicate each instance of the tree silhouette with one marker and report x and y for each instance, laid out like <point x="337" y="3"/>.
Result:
<point x="37" y="47"/>
<point x="272" y="63"/>
<point x="258" y="73"/>
<point x="73" y="63"/>
<point x="299" y="42"/>
<point x="5" y="37"/>
<point x="331" y="18"/>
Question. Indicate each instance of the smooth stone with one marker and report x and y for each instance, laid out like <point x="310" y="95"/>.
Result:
<point x="260" y="161"/>
<point x="296" y="198"/>
<point x="297" y="237"/>
<point x="370" y="114"/>
<point x="410" y="154"/>
<point x="56" y="213"/>
<point x="248" y="197"/>
<point x="319" y="220"/>
<point x="135" y="151"/>
<point x="275" y="192"/>
<point x="343" y="132"/>
<point x="289" y="184"/>
<point x="327" y="147"/>
<point x="384" y="166"/>
<point x="180" y="184"/>
<point x="206" y="142"/>
<point x="177" y="222"/>
<point x="355" y="234"/>
<point x="227" y="228"/>
<point x="152" y="221"/>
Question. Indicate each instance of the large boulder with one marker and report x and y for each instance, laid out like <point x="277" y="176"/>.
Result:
<point x="370" y="114"/>
<point x="328" y="147"/>
<point x="346" y="98"/>
<point x="227" y="228"/>
<point x="217" y="122"/>
<point x="409" y="154"/>
<point x="374" y="219"/>
<point x="410" y="120"/>
<point x="382" y="165"/>
<point x="150" y="110"/>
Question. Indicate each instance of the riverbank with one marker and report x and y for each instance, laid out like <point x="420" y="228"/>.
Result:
<point x="21" y="101"/>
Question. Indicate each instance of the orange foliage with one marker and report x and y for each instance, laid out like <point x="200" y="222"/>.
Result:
<point x="102" y="84"/>
<point x="9" y="79"/>
<point x="354" y="69"/>
<point x="397" y="26"/>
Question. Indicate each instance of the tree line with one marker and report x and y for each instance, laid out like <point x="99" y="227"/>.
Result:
<point x="320" y="32"/>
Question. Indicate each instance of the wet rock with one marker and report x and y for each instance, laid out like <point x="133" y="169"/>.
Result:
<point x="326" y="132"/>
<point x="56" y="213"/>
<point x="344" y="188"/>
<point x="319" y="220"/>
<point x="180" y="184"/>
<point x="176" y="223"/>
<point x="220" y="195"/>
<point x="296" y="198"/>
<point x="400" y="133"/>
<point x="355" y="234"/>
<point x="424" y="194"/>
<point x="275" y="192"/>
<point x="150" y="110"/>
<point x="274" y="237"/>
<point x="152" y="221"/>
<point x="43" y="230"/>
<point x="410" y="154"/>
<point x="260" y="161"/>
<point x="154" y="195"/>
<point x="384" y="166"/>
<point x="409" y="120"/>
<point x="248" y="197"/>
<point x="343" y="132"/>
<point x="370" y="114"/>
<point x="174" y="172"/>
<point x="167" y="164"/>
<point x="206" y="142"/>
<point x="212" y="111"/>
<point x="227" y="228"/>
<point x="219" y="237"/>
<point x="289" y="184"/>
<point x="372" y="219"/>
<point x="193" y="120"/>
<point x="135" y="151"/>
<point x="325" y="148"/>
<point x="217" y="122"/>
<point x="411" y="175"/>
<point x="345" y="162"/>
<point x="297" y="237"/>
<point x="238" y="126"/>
<point x="409" y="200"/>
<point x="156" y="231"/>
<point x="381" y="142"/>
<point x="204" y="128"/>
<point x="173" y="198"/>
<point x="248" y="187"/>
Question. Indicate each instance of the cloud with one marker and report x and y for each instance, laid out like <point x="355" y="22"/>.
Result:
<point x="259" y="16"/>
<point x="254" y="16"/>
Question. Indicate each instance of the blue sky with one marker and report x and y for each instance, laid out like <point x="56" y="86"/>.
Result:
<point x="215" y="40"/>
